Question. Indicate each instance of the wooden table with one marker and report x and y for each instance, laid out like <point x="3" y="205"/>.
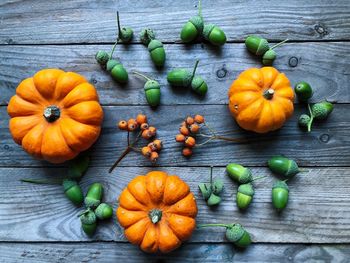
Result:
<point x="38" y="224"/>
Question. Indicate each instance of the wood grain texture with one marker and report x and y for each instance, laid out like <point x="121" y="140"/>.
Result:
<point x="111" y="252"/>
<point x="318" y="210"/>
<point x="91" y="22"/>
<point x="327" y="145"/>
<point x="326" y="66"/>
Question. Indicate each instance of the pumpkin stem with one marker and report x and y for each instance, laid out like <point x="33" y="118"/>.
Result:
<point x="155" y="215"/>
<point x="52" y="113"/>
<point x="268" y="94"/>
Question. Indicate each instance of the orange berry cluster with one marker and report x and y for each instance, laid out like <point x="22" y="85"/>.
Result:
<point x="188" y="130"/>
<point x="147" y="132"/>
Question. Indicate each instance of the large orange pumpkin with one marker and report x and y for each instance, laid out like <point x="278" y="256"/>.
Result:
<point x="261" y="100"/>
<point x="55" y="115"/>
<point x="157" y="211"/>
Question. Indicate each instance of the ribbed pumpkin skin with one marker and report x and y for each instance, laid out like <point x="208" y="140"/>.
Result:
<point x="167" y="193"/>
<point x="251" y="109"/>
<point x="76" y="129"/>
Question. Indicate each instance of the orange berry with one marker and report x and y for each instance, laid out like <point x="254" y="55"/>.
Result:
<point x="187" y="152"/>
<point x="146" y="134"/>
<point x="199" y="119"/>
<point x="190" y="141"/>
<point x="153" y="130"/>
<point x="184" y="130"/>
<point x="183" y="123"/>
<point x="154" y="157"/>
<point x="158" y="144"/>
<point x="194" y="128"/>
<point x="141" y="118"/>
<point x="152" y="146"/>
<point x="123" y="125"/>
<point x="144" y="126"/>
<point x="132" y="125"/>
<point x="180" y="138"/>
<point x="189" y="120"/>
<point x="146" y="151"/>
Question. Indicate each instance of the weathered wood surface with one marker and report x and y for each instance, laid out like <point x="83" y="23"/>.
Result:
<point x="119" y="252"/>
<point x="318" y="211"/>
<point x="327" y="145"/>
<point x="326" y="66"/>
<point x="82" y="21"/>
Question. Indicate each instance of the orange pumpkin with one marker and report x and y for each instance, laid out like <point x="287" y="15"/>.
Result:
<point x="261" y="100"/>
<point x="157" y="212"/>
<point x="55" y="115"/>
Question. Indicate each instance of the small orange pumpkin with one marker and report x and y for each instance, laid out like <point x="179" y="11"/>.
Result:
<point x="261" y="100"/>
<point x="55" y="115"/>
<point x="157" y="211"/>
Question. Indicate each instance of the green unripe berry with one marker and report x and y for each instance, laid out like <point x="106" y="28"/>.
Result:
<point x="217" y="186"/>
<point x="192" y="29"/>
<point x="283" y="166"/>
<point x="179" y="78"/>
<point x="257" y="45"/>
<point x="94" y="195"/>
<point x="304" y="120"/>
<point x="152" y="92"/>
<point x="88" y="222"/>
<point x="157" y="52"/>
<point x="239" y="173"/>
<point x="214" y="35"/>
<point x="205" y="190"/>
<point x="236" y="234"/>
<point x="269" y="57"/>
<point x="78" y="167"/>
<point x="146" y="36"/>
<point x="280" y="195"/>
<point x="321" y="110"/>
<point x="102" y="57"/>
<point x="104" y="211"/>
<point x="73" y="192"/>
<point x="213" y="200"/>
<point x="245" y="195"/>
<point x="199" y="85"/>
<point x="303" y="91"/>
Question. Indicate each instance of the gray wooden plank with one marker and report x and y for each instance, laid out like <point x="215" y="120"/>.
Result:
<point x="328" y="72"/>
<point x="327" y="145"/>
<point x="318" y="211"/>
<point x="111" y="252"/>
<point x="90" y="21"/>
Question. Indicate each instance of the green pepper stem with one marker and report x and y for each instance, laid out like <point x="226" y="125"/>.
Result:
<point x="200" y="8"/>
<point x="279" y="44"/>
<point x="212" y="225"/>
<point x="144" y="76"/>
<point x="34" y="181"/>
<point x="194" y="69"/>
<point x="309" y="124"/>
<point x="258" y="178"/>
<point x="118" y="23"/>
